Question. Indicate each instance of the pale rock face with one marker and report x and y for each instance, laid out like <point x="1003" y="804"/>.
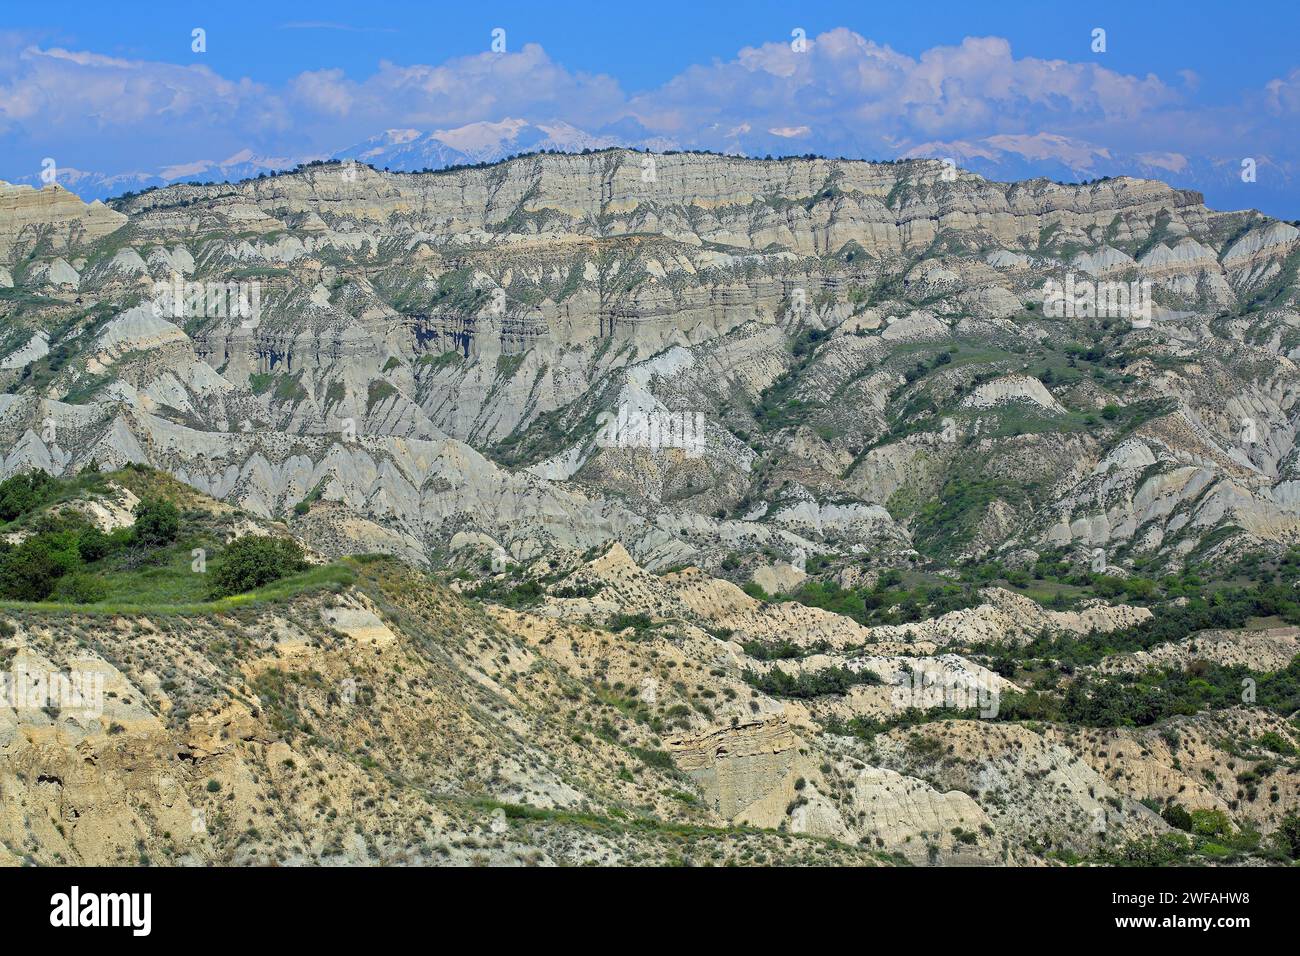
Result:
<point x="470" y="539"/>
<point x="916" y="327"/>
<point x="778" y="578"/>
<point x="138" y="329"/>
<point x="993" y="302"/>
<point x="739" y="767"/>
<point x="38" y="346"/>
<point x="109" y="513"/>
<point x="1105" y="261"/>
<point x="1005" y="259"/>
<point x="55" y="273"/>
<point x="1131" y="454"/>
<point x="63" y="273"/>
<point x="128" y="262"/>
<point x="902" y="811"/>
<point x="25" y="211"/>
<point x="1273" y="239"/>
<point x="850" y="519"/>
<point x="358" y="621"/>
<point x="1013" y="388"/>
<point x="164" y="262"/>
<point x="1186" y="254"/>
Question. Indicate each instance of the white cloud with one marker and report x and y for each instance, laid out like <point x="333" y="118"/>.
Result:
<point x="1283" y="93"/>
<point x="55" y="89"/>
<point x="481" y="87"/>
<point x="849" y="83"/>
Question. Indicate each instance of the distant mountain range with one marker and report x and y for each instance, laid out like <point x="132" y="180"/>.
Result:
<point x="411" y="149"/>
<point x="91" y="185"/>
<point x="401" y="150"/>
<point x="1000" y="157"/>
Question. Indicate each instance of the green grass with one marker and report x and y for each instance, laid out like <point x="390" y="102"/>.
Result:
<point x="163" y="595"/>
<point x="442" y="360"/>
<point x="288" y="388"/>
<point x="170" y="581"/>
<point x="523" y="813"/>
<point x="379" y="391"/>
<point x="1045" y="592"/>
<point x="508" y="365"/>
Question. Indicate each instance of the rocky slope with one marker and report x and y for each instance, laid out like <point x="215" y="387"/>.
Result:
<point x="616" y="716"/>
<point x="599" y="409"/>
<point x="845" y="339"/>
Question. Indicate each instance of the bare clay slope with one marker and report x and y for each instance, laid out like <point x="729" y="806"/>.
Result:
<point x="435" y="353"/>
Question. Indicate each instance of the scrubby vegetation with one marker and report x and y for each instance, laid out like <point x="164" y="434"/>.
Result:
<point x="53" y="552"/>
<point x="23" y="493"/>
<point x="1137" y="700"/>
<point x="809" y="684"/>
<point x="60" y="546"/>
<point x="1206" y="836"/>
<point x="253" y="561"/>
<point x="889" y="601"/>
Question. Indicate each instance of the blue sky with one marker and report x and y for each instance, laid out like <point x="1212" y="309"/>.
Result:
<point x="1183" y="91"/>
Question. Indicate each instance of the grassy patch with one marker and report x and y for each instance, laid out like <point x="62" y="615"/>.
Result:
<point x="333" y="577"/>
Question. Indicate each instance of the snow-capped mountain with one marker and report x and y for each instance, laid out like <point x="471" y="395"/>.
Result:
<point x="91" y="185"/>
<point x="409" y="149"/>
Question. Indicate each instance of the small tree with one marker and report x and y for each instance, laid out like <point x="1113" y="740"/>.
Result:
<point x="22" y="493"/>
<point x="1177" y="817"/>
<point x="253" y="561"/>
<point x="1211" y="823"/>
<point x="1288" y="835"/>
<point x="29" y="571"/>
<point x="157" y="522"/>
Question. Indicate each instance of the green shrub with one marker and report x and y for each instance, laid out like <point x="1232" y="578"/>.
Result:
<point x="93" y="544"/>
<point x="521" y="595"/>
<point x="1167" y="849"/>
<point x="29" y="571"/>
<point x="1288" y="835"/>
<point x="79" y="588"/>
<point x="28" y="576"/>
<point x="253" y="561"/>
<point x="638" y="622"/>
<point x="157" y="522"/>
<point x="1211" y="823"/>
<point x="658" y="759"/>
<point x="23" y="493"/>
<point x="1272" y="740"/>
<point x="1177" y="817"/>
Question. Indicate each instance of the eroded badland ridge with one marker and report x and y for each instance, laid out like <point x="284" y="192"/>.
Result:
<point x="713" y="510"/>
